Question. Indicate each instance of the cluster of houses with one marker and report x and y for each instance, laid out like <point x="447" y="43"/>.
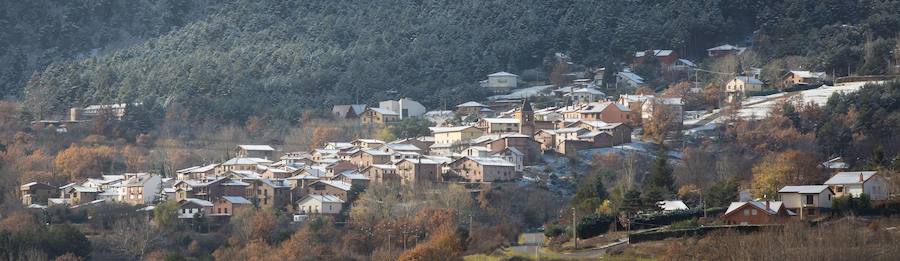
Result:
<point x="808" y="202"/>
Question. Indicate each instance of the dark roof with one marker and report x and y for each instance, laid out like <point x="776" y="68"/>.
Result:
<point x="526" y="106"/>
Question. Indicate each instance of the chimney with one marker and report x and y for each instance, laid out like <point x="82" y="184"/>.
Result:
<point x="860" y="177"/>
<point x="401" y="108"/>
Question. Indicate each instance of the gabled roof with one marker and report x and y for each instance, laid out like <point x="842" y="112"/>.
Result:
<point x="657" y="53"/>
<point x="471" y="104"/>
<point x="724" y="47"/>
<point x="336" y="183"/>
<point x="320" y="198"/>
<point x="246" y="161"/>
<point x="489" y="161"/>
<point x="501" y="120"/>
<point x="501" y="74"/>
<point x="671" y="205"/>
<point x="197" y="201"/>
<point x="402" y="147"/>
<point x="631" y="76"/>
<point x="353" y="175"/>
<point x="850" y="177"/>
<point x="236" y="200"/>
<point x="256" y="147"/>
<point x="808" y="189"/>
<point x="774" y="206"/>
<point x="449" y="129"/>
<point x="808" y="74"/>
<point x="383" y="111"/>
<point x="748" y="79"/>
<point x="597" y="107"/>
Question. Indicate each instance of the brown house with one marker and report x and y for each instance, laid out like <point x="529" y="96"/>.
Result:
<point x="210" y="190"/>
<point x="353" y="177"/>
<point x="606" y="111"/>
<point x="621" y="132"/>
<point x="37" y="193"/>
<point x="340" y="166"/>
<point x="381" y="173"/>
<point x="483" y="169"/>
<point x="228" y="205"/>
<point x="379" y="116"/>
<point x="365" y="157"/>
<point x="335" y="188"/>
<point x="413" y="171"/>
<point x="76" y="194"/>
<point x="530" y="148"/>
<point x="269" y="194"/>
<point x="756" y="213"/>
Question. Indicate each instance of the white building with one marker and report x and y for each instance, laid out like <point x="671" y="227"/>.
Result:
<point x="320" y="204"/>
<point x="501" y="82"/>
<point x="856" y="183"/>
<point x="405" y="107"/>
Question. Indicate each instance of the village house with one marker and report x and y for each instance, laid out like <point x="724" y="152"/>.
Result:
<point x="365" y="157"/>
<point x="525" y="144"/>
<point x="197" y="172"/>
<point x="319" y="204"/>
<point x="301" y="181"/>
<point x="513" y="155"/>
<point x="725" y="50"/>
<point x="620" y="131"/>
<point x="297" y="158"/>
<point x="351" y="111"/>
<point x="75" y="194"/>
<point x="381" y="173"/>
<point x="628" y="79"/>
<point x="278" y="172"/>
<point x="413" y="171"/>
<point x="352" y="177"/>
<point x="209" y="190"/>
<point x="193" y="207"/>
<point x="445" y="138"/>
<point x="670" y="104"/>
<point x="229" y="205"/>
<point x="476" y="151"/>
<point x="500" y="82"/>
<point x="756" y="213"/>
<point x="269" y="194"/>
<point x="472" y="108"/>
<point x="856" y="183"/>
<point x="240" y="163"/>
<point x="605" y="111"/>
<point x="142" y="189"/>
<point x="547" y="138"/>
<point x="255" y="151"/>
<point x="406" y="107"/>
<point x="808" y="201"/>
<point x="37" y="193"/>
<point x="665" y="57"/>
<point x="586" y="94"/>
<point x="439" y="118"/>
<point x="379" y="116"/>
<point x="116" y="111"/>
<point x="741" y="86"/>
<point x="335" y="188"/>
<point x="340" y="166"/>
<point x="484" y="169"/>
<point x="367" y="143"/>
<point x="803" y="78"/>
<point x="499" y="125"/>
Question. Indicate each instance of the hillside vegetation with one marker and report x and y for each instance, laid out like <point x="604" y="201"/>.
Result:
<point x="279" y="58"/>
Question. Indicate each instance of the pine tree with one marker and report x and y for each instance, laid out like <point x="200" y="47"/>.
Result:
<point x="660" y="179"/>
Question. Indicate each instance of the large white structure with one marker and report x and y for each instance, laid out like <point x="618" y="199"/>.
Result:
<point x="405" y="107"/>
<point x="501" y="82"/>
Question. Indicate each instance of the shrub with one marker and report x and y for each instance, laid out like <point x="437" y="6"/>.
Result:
<point x="594" y="225"/>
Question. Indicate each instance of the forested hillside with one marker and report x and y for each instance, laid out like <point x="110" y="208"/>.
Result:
<point x="279" y="58"/>
<point x="35" y="33"/>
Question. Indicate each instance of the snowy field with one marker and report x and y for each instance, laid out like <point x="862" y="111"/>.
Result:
<point x="760" y="107"/>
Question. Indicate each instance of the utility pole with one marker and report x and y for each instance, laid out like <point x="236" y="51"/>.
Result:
<point x="575" y="228"/>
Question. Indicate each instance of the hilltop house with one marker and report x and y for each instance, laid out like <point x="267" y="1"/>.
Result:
<point x="350" y="111"/>
<point x="605" y="111"/>
<point x="808" y="201"/>
<point x="142" y="188"/>
<point x="856" y="183"/>
<point x="500" y="82"/>
<point x="255" y="151"/>
<point x="665" y="57"/>
<point x="803" y="78"/>
<point x="741" y="86"/>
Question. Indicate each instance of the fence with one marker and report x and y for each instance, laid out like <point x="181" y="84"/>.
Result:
<point x="660" y="235"/>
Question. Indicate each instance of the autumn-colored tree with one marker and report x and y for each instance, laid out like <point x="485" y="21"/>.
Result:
<point x="321" y="135"/>
<point x="386" y="134"/>
<point x="644" y="90"/>
<point x="443" y="244"/>
<point x="135" y="158"/>
<point x="80" y="162"/>
<point x="791" y="167"/>
<point x="68" y="257"/>
<point x="18" y="221"/>
<point x="262" y="225"/>
<point x="663" y="120"/>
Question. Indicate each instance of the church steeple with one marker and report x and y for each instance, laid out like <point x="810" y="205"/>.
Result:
<point x="526" y="118"/>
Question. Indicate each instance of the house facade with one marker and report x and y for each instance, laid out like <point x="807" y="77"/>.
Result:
<point x="756" y="213"/>
<point x="483" y="169"/>
<point x="856" y="183"/>
<point x="807" y="201"/>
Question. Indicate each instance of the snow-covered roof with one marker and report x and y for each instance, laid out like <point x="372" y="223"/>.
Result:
<point x="748" y="79"/>
<point x="256" y="147"/>
<point x="568" y="130"/>
<point x="632" y="77"/>
<point x="236" y="200"/>
<point x="597" y="107"/>
<point x="501" y="120"/>
<point x="402" y="147"/>
<point x="321" y="198"/>
<point x="501" y="74"/>
<point x="448" y="129"/>
<point x="654" y="52"/>
<point x="197" y="201"/>
<point x="687" y="62"/>
<point x="724" y="47"/>
<point x="671" y="205"/>
<point x="246" y="161"/>
<point x="337" y="184"/>
<point x="491" y="161"/>
<point x="774" y="206"/>
<point x="590" y="91"/>
<point x="471" y="104"/>
<point x="808" y="74"/>
<point x="807" y="189"/>
<point x="383" y="111"/>
<point x="594" y="134"/>
<point x="850" y="177"/>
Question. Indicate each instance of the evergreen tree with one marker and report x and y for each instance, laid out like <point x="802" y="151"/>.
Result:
<point x="660" y="179"/>
<point x="632" y="202"/>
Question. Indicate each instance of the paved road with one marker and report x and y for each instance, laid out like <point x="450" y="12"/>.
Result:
<point x="531" y="246"/>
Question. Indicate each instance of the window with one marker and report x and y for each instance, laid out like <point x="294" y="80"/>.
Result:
<point x="809" y="199"/>
<point x="839" y="189"/>
<point x="746" y="212"/>
<point x="219" y="210"/>
<point x="753" y="212"/>
<point x="226" y="210"/>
